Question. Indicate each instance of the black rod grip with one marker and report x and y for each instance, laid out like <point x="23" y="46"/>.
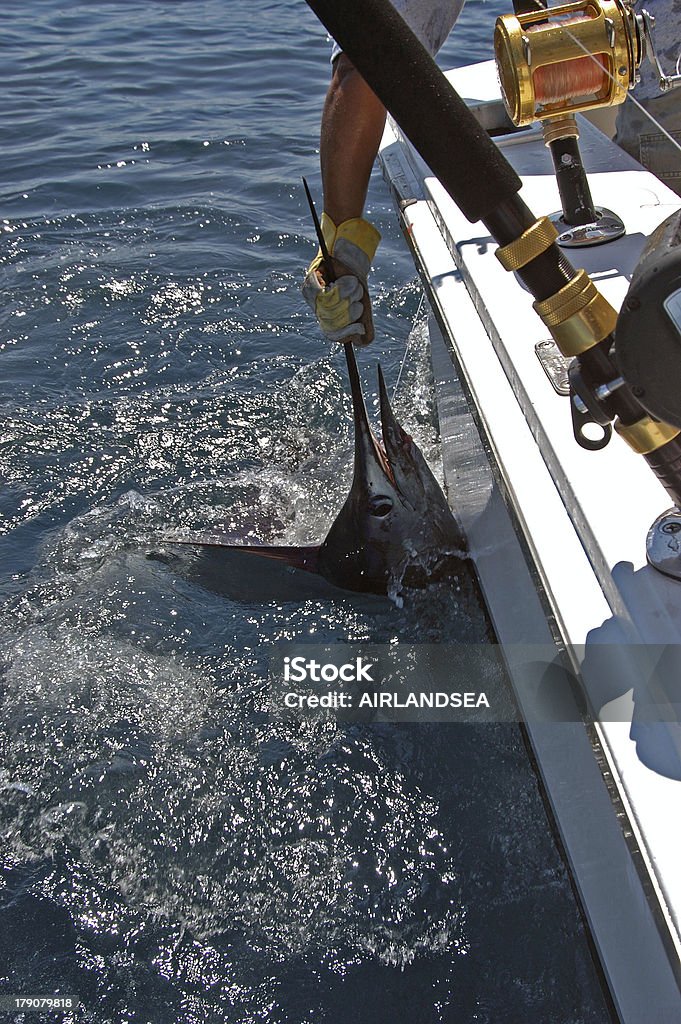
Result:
<point x="429" y="111"/>
<point x="666" y="465"/>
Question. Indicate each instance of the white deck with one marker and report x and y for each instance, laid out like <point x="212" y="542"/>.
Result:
<point x="579" y="572"/>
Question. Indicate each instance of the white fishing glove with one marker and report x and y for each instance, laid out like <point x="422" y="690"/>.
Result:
<point x="343" y="308"/>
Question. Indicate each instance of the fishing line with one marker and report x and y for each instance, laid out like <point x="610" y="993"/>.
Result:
<point x="406" y="347"/>
<point x="657" y="124"/>
<point x="604" y="70"/>
<point x="569" y="78"/>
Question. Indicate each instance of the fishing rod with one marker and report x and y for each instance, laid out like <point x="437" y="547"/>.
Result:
<point x="485" y="187"/>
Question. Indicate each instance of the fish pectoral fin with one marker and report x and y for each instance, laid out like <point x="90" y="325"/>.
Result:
<point x="306" y="558"/>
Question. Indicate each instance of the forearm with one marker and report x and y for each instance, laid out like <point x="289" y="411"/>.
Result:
<point x="352" y="126"/>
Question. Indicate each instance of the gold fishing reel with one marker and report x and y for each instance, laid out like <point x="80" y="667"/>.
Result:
<point x="559" y="60"/>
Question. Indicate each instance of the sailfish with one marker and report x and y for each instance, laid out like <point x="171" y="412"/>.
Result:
<point x="395" y="527"/>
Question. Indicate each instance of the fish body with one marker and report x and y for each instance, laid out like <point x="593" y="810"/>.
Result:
<point x="395" y="526"/>
<point x="396" y="519"/>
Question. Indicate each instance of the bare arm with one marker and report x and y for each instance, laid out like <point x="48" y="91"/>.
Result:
<point x="352" y="126"/>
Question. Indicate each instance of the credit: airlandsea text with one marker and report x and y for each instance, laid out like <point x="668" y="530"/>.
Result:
<point x="360" y="671"/>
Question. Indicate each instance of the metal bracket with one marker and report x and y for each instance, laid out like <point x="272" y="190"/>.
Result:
<point x="581" y="421"/>
<point x="606" y="228"/>
<point x="663" y="544"/>
<point x="586" y="413"/>
<point x="554" y="364"/>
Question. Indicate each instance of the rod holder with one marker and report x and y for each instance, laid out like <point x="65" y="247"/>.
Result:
<point x="579" y="222"/>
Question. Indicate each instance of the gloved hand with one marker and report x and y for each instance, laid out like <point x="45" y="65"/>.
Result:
<point x="343" y="308"/>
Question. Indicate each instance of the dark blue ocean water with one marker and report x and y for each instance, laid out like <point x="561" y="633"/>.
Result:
<point x="169" y="851"/>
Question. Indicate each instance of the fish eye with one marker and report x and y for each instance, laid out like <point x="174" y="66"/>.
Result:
<point x="380" y="505"/>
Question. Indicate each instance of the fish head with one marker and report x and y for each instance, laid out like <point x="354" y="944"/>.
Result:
<point x="395" y="515"/>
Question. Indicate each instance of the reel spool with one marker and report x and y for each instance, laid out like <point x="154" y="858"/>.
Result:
<point x="560" y="60"/>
